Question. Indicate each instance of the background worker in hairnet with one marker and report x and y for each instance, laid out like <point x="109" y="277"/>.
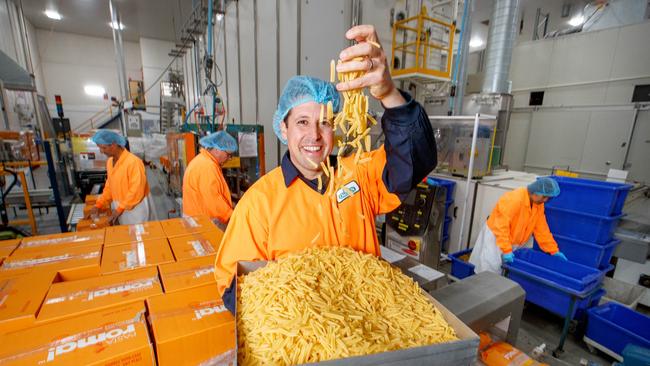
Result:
<point x="205" y="191"/>
<point x="126" y="183"/>
<point x="517" y="215"/>
<point x="285" y="212"/>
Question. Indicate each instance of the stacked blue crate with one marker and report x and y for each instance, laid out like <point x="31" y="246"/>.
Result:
<point x="583" y="219"/>
<point x="449" y="200"/>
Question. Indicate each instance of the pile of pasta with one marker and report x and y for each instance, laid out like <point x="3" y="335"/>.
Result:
<point x="329" y="303"/>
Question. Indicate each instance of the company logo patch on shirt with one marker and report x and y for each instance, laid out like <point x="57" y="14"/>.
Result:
<point x="350" y="189"/>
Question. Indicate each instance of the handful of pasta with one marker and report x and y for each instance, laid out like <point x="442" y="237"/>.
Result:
<point x="354" y="123"/>
<point x="329" y="303"/>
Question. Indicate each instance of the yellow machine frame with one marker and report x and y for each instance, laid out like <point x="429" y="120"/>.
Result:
<point x="421" y="47"/>
<point x="31" y="220"/>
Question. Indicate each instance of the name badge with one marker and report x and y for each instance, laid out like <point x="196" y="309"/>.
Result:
<point x="352" y="188"/>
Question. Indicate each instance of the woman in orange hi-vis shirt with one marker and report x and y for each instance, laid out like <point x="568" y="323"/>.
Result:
<point x="205" y="191"/>
<point x="285" y="211"/>
<point x="517" y="215"/>
<point x="126" y="183"/>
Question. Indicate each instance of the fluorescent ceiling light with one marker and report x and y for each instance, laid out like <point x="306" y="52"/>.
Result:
<point x="53" y="14"/>
<point x="219" y="16"/>
<point x="576" y="20"/>
<point x="475" y="42"/>
<point x="114" y="25"/>
<point x="94" y="90"/>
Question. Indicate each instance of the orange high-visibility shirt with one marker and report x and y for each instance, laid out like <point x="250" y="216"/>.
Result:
<point x="513" y="221"/>
<point x="275" y="218"/>
<point x="126" y="182"/>
<point x="205" y="191"/>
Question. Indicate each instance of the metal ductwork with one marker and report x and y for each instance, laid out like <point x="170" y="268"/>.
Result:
<point x="501" y="39"/>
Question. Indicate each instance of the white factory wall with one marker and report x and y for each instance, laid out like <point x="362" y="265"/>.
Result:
<point x="155" y="59"/>
<point x="587" y="114"/>
<point x="71" y="61"/>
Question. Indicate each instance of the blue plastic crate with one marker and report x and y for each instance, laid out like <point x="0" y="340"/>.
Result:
<point x="634" y="355"/>
<point x="550" y="282"/>
<point x="445" y="226"/>
<point x="460" y="268"/>
<point x="589" y="303"/>
<point x="449" y="184"/>
<point x="577" y="225"/>
<point x="578" y="251"/>
<point x="590" y="196"/>
<point x="614" y="326"/>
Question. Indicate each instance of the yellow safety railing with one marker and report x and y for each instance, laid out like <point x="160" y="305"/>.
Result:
<point x="418" y="30"/>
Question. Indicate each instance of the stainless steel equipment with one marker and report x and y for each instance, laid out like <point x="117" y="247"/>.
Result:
<point x="499" y="105"/>
<point x="483" y="300"/>
<point x="415" y="227"/>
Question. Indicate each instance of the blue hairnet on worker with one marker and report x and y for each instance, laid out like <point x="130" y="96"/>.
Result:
<point x="221" y="140"/>
<point x="108" y="137"/>
<point x="302" y="89"/>
<point x="544" y="186"/>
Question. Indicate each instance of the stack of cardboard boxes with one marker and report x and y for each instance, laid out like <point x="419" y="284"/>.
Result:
<point x="120" y="296"/>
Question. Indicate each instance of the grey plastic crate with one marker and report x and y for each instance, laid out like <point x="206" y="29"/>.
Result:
<point x="621" y="292"/>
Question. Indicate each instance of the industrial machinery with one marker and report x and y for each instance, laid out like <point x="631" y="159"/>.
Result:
<point x="454" y="135"/>
<point x="495" y="104"/>
<point x="247" y="166"/>
<point x="415" y="227"/>
<point x="182" y="148"/>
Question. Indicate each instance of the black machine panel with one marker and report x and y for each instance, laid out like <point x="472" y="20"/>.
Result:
<point x="412" y="216"/>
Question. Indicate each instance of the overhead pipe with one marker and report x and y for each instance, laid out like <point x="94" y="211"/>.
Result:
<point x="119" y="56"/>
<point x="501" y="39"/>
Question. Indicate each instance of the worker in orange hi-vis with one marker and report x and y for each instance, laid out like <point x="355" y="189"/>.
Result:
<point x="205" y="191"/>
<point x="286" y="211"/>
<point x="517" y="215"/>
<point x="126" y="184"/>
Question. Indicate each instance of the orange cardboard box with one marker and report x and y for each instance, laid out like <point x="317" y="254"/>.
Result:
<point x="66" y="240"/>
<point x="70" y="299"/>
<point x="102" y="211"/>
<point x="187" y="225"/>
<point x="187" y="274"/>
<point x="196" y="244"/>
<point x="21" y="298"/>
<point x="92" y="224"/>
<point x="192" y="327"/>
<point x="73" y="263"/>
<point x="7" y="247"/>
<point x="117" y="336"/>
<point x="123" y="234"/>
<point x="91" y="199"/>
<point x="136" y="255"/>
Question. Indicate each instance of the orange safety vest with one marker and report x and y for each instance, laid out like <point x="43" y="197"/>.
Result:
<point x="205" y="191"/>
<point x="513" y="221"/>
<point x="126" y="182"/>
<point x="274" y="218"/>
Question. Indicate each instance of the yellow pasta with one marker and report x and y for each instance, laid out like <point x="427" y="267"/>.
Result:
<point x="329" y="303"/>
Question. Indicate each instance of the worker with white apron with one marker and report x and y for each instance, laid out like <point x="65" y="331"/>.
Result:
<point x="517" y="215"/>
<point x="126" y="184"/>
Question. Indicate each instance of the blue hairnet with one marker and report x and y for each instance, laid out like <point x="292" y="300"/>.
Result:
<point x="221" y="140"/>
<point x="544" y="186"/>
<point x="302" y="89"/>
<point x="107" y="137"/>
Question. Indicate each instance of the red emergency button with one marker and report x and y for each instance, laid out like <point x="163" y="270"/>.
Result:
<point x="412" y="245"/>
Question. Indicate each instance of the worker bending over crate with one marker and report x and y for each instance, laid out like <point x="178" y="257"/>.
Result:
<point x="126" y="184"/>
<point x="285" y="211"/>
<point x="205" y="191"/>
<point x="517" y="215"/>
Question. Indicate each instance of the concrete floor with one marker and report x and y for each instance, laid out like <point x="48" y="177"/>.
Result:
<point x="538" y="325"/>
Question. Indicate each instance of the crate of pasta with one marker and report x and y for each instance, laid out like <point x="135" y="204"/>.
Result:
<point x="337" y="306"/>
